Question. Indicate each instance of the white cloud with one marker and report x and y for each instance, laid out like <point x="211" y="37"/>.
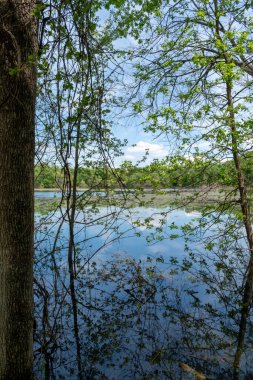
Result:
<point x="129" y="157"/>
<point x="132" y="41"/>
<point x="141" y="147"/>
<point x="139" y="150"/>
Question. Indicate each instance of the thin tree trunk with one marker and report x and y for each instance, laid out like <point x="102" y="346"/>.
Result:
<point x="18" y="44"/>
<point x="245" y="207"/>
<point x="71" y="252"/>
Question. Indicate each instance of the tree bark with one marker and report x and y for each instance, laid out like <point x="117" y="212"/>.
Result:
<point x="18" y="49"/>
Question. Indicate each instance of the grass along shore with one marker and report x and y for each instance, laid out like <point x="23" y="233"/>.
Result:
<point x="181" y="197"/>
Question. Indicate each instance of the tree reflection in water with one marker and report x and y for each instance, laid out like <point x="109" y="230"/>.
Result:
<point x="170" y="316"/>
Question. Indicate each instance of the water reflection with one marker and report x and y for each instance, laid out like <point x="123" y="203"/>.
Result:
<point x="157" y="294"/>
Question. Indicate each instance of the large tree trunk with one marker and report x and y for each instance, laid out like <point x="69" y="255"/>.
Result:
<point x="18" y="47"/>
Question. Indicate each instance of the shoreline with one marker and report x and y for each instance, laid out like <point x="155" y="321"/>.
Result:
<point x="177" y="197"/>
<point x="203" y="188"/>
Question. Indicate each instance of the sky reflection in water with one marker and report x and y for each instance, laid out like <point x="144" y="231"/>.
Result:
<point x="139" y="316"/>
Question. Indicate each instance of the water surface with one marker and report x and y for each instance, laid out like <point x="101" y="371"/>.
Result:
<point x="151" y="296"/>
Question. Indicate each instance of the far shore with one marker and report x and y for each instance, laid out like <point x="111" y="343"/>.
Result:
<point x="179" y="197"/>
<point x="215" y="189"/>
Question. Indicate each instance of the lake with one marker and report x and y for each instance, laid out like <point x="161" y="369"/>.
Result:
<point x="144" y="293"/>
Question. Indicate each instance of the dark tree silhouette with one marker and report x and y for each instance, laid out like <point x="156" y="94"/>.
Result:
<point x="18" y="46"/>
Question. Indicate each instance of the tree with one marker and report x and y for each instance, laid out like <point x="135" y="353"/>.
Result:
<point x="17" y="98"/>
<point x="71" y="114"/>
<point x="195" y="69"/>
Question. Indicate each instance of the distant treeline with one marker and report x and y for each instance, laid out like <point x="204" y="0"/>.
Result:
<point x="177" y="173"/>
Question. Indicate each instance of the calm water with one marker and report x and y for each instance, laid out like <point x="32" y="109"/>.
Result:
<point x="149" y="303"/>
<point x="58" y="194"/>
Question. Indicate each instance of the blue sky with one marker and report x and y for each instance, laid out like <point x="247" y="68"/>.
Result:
<point x="130" y="128"/>
<point x="139" y="142"/>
